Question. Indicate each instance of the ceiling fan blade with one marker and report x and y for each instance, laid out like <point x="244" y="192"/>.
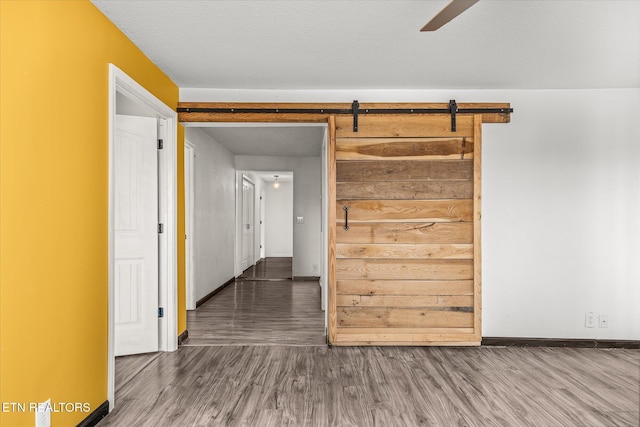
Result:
<point x="450" y="11"/>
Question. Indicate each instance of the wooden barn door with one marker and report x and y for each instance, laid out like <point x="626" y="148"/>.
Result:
<point x="405" y="251"/>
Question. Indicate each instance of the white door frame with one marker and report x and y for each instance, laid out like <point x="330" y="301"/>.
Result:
<point x="189" y="210"/>
<point x="121" y="83"/>
<point x="240" y="217"/>
<point x="260" y="238"/>
<point x="324" y="269"/>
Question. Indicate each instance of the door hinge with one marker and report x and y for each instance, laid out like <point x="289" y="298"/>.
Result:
<point x="160" y="311"/>
<point x="160" y="228"/>
<point x="160" y="144"/>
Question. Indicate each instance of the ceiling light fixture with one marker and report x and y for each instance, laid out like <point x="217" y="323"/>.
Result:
<point x="276" y="184"/>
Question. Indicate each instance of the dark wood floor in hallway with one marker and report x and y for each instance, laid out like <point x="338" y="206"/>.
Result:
<point x="266" y="311"/>
<point x="272" y="268"/>
<point x="382" y="386"/>
<point x="260" y="313"/>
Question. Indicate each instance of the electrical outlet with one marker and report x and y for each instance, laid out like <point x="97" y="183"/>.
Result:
<point x="43" y="414"/>
<point x="590" y="319"/>
<point x="604" y="321"/>
<point x="315" y="268"/>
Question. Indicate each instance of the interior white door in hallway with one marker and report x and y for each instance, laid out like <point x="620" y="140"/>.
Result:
<point x="248" y="219"/>
<point x="136" y="235"/>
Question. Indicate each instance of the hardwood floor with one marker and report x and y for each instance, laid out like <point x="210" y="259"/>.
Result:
<point x="263" y="307"/>
<point x="127" y="367"/>
<point x="260" y="313"/>
<point x="271" y="268"/>
<point x="256" y="356"/>
<point x="383" y="386"/>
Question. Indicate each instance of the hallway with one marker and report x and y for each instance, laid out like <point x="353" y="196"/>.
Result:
<point x="263" y="307"/>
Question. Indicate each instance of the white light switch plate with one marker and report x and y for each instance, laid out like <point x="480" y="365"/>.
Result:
<point x="590" y="320"/>
<point x="43" y="414"/>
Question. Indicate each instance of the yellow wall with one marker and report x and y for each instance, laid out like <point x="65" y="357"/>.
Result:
<point x="53" y="195"/>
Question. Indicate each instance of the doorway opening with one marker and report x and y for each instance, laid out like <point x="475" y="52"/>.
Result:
<point x="272" y="219"/>
<point x="127" y="97"/>
<point x="247" y="221"/>
<point x="292" y="249"/>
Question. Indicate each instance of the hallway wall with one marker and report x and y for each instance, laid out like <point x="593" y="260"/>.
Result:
<point x="215" y="183"/>
<point x="306" y="203"/>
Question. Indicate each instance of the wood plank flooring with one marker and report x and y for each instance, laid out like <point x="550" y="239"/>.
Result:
<point x="382" y="386"/>
<point x="260" y="313"/>
<point x="256" y="357"/>
<point x="127" y="367"/>
<point x="272" y="268"/>
<point x="266" y="310"/>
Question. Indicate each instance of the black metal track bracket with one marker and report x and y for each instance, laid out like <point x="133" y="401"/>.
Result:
<point x="355" y="106"/>
<point x="453" y="109"/>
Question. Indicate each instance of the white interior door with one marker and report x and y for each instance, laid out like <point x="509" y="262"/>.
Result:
<point x="248" y="194"/>
<point x="262" y="224"/>
<point x="136" y="235"/>
<point x="189" y="192"/>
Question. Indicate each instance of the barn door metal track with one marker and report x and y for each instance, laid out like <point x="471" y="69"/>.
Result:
<point x="355" y="110"/>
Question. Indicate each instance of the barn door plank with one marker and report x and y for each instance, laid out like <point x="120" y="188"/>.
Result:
<point x="404" y="148"/>
<point x="405" y="190"/>
<point x="402" y="126"/>
<point x="407" y="232"/>
<point x="408" y="170"/>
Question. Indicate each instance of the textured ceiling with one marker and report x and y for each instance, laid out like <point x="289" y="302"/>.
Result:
<point x="279" y="44"/>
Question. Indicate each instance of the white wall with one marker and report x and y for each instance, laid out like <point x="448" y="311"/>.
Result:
<point x="561" y="204"/>
<point x="279" y="220"/>
<point x="215" y="215"/>
<point x="306" y="203"/>
<point x="561" y="215"/>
